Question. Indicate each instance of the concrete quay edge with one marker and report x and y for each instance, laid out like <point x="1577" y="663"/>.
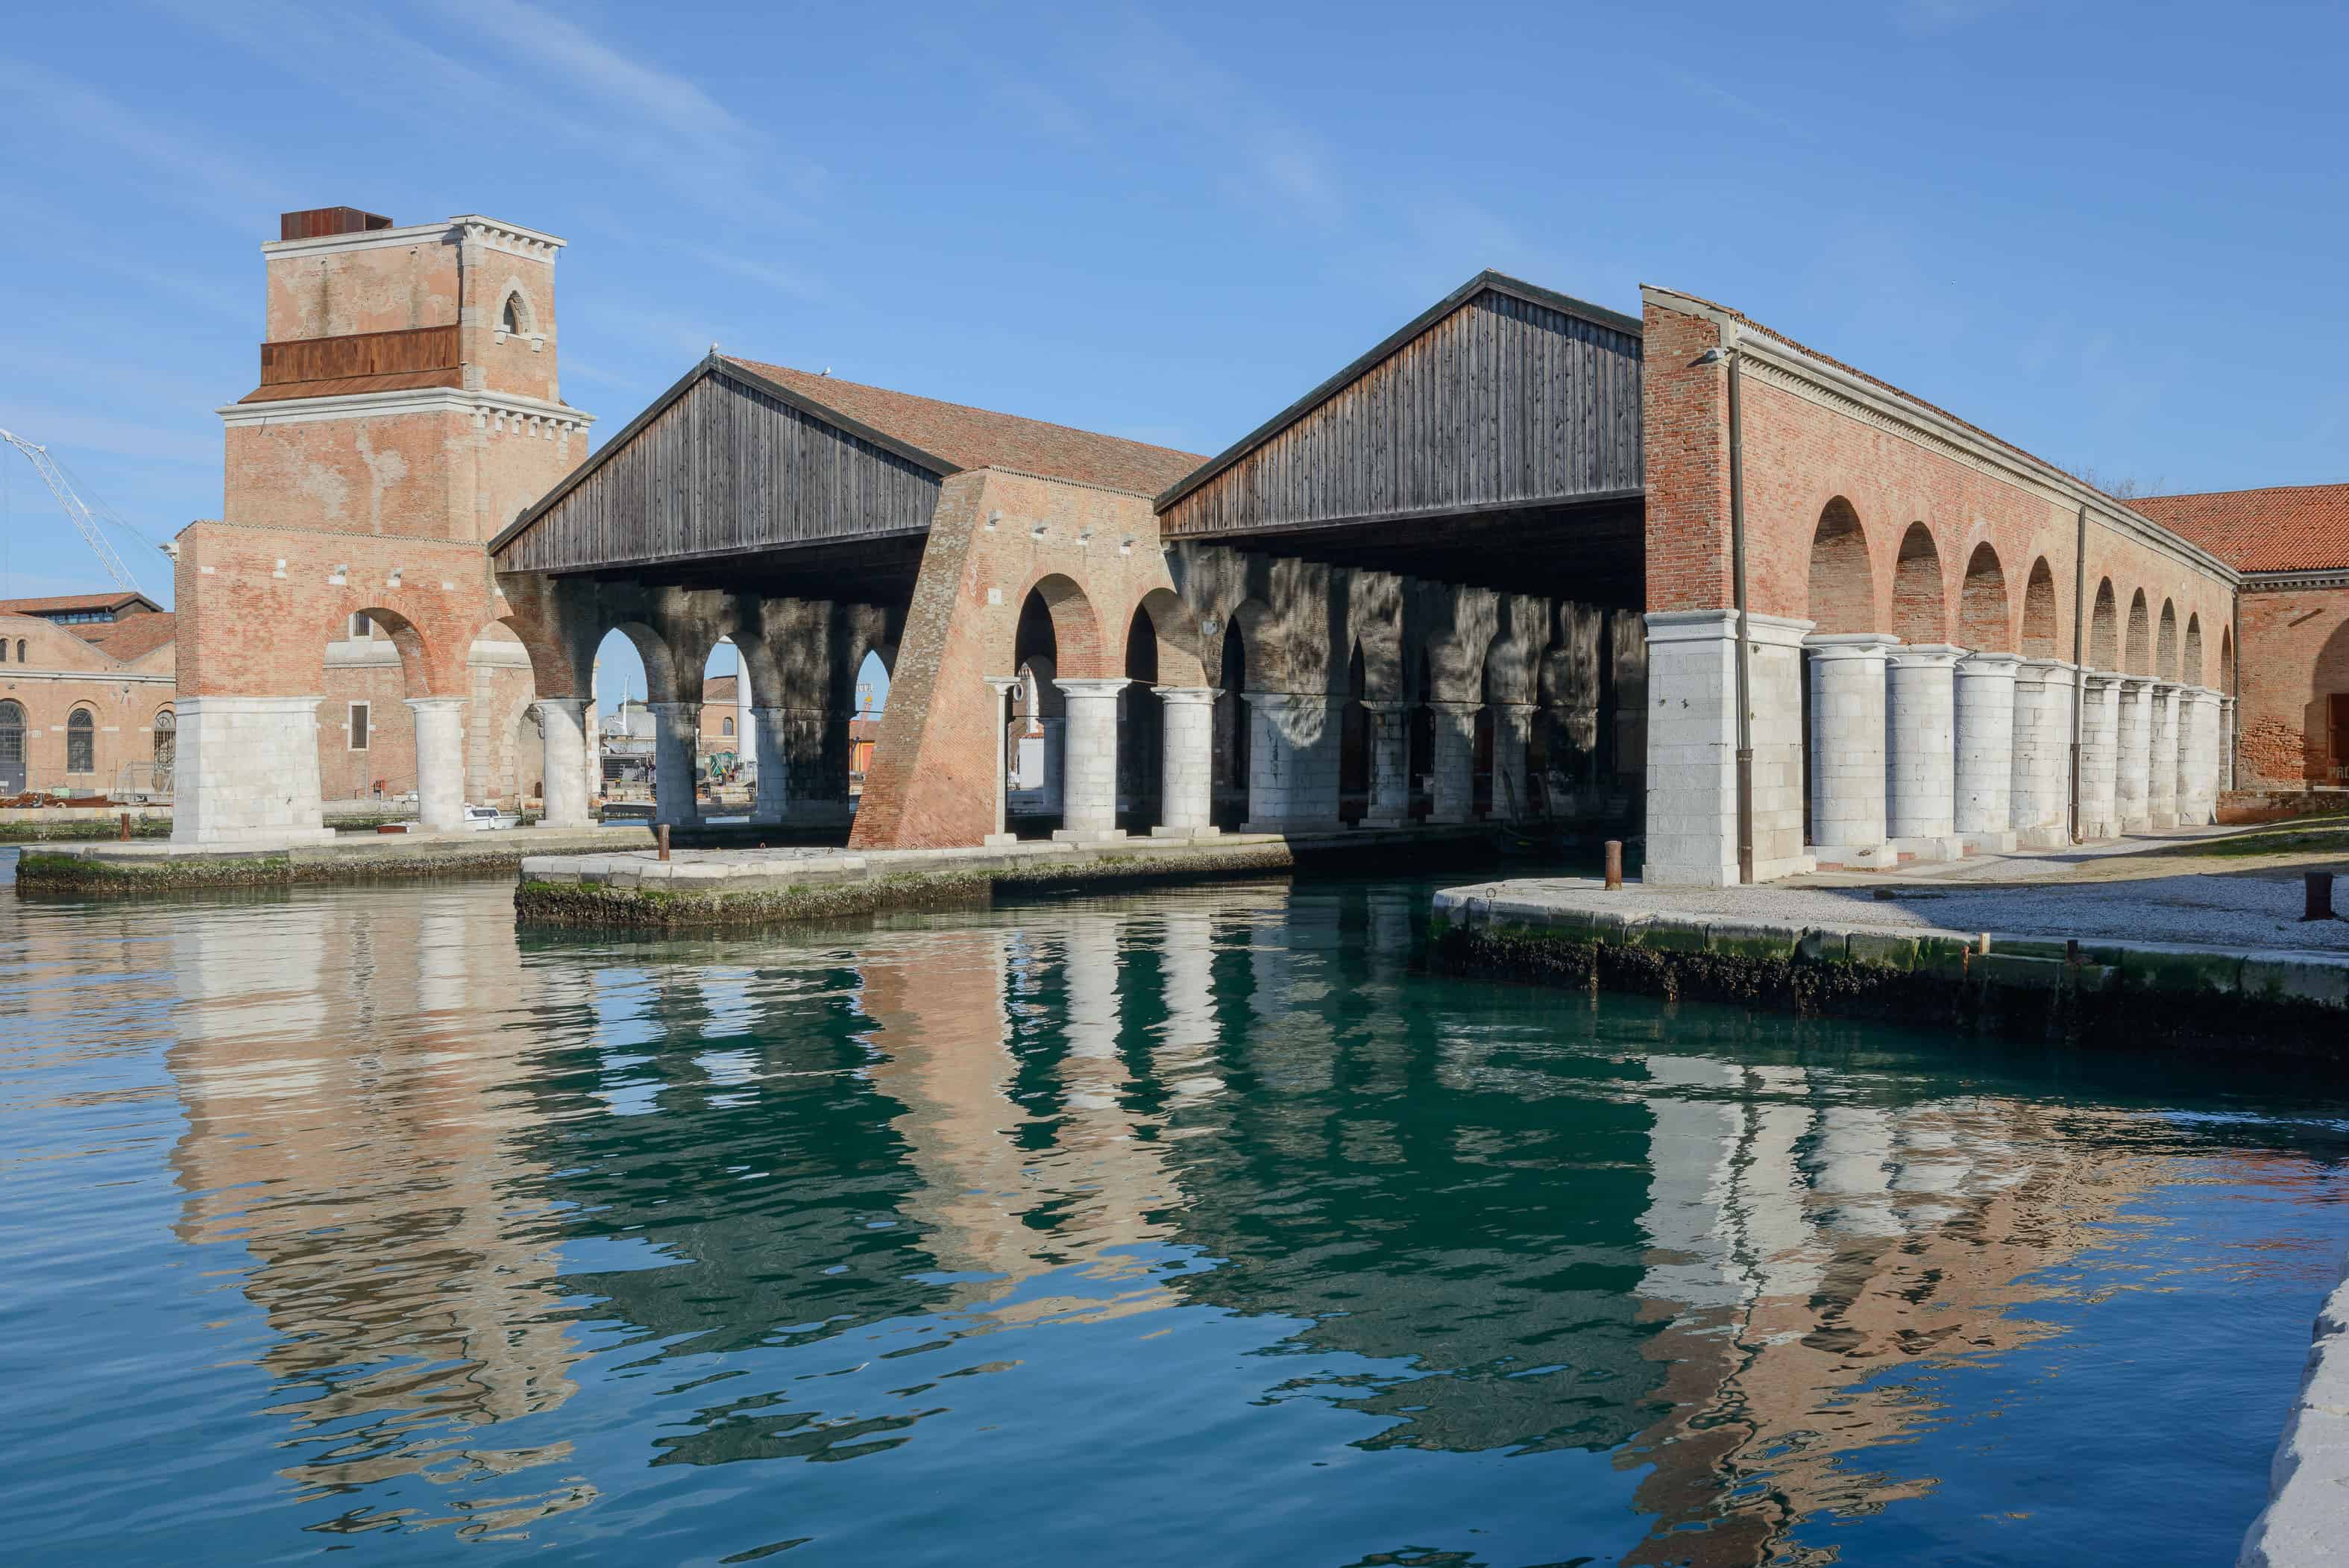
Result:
<point x="2307" y="1515"/>
<point x="111" y="867"/>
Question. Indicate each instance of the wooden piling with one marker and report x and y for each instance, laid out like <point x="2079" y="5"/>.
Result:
<point x="660" y="835"/>
<point x="1614" y="865"/>
<point x="2319" y="889"/>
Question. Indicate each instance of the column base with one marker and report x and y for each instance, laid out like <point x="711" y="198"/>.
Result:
<point x="1932" y="847"/>
<point x="1396" y="819"/>
<point x="1791" y="866"/>
<point x="1165" y="832"/>
<point x="1987" y="844"/>
<point x="2136" y="825"/>
<point x="1087" y="835"/>
<point x="1324" y="825"/>
<point x="998" y="840"/>
<point x="2049" y="836"/>
<point x="2162" y="821"/>
<point x="1874" y="856"/>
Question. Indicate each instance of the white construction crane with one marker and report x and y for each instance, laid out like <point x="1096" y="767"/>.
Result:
<point x="83" y="520"/>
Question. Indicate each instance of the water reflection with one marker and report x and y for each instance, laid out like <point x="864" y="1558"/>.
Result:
<point x="1042" y="1203"/>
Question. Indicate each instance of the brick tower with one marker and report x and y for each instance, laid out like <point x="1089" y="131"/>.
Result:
<point x="408" y="408"/>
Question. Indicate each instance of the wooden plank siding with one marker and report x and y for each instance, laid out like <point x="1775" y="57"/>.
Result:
<point x="397" y="353"/>
<point x="1502" y="401"/>
<point x="723" y="469"/>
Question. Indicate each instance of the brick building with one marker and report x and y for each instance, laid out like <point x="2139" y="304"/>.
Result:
<point x="2291" y="545"/>
<point x="87" y="703"/>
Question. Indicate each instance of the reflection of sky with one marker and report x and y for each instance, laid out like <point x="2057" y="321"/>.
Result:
<point x="1095" y="1225"/>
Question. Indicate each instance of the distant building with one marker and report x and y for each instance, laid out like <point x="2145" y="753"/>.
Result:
<point x="85" y="696"/>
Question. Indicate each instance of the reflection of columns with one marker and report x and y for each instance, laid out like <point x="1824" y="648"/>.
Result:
<point x="1188" y="775"/>
<point x="1389" y="744"/>
<point x="2161" y="778"/>
<point x="1000" y="690"/>
<point x="1848" y="778"/>
<point x="2226" y="743"/>
<point x="440" y="760"/>
<point x="1513" y="724"/>
<point x="1184" y="1059"/>
<point x="1089" y="796"/>
<point x="1292" y="762"/>
<point x="1452" y="789"/>
<point x="677" y="738"/>
<point x="562" y="727"/>
<point x="769" y="766"/>
<point x="2099" y="754"/>
<point x="1920" y="764"/>
<point x="1985" y="762"/>
<point x="2131" y="783"/>
<point x="247" y="771"/>
<point x="2040" y="791"/>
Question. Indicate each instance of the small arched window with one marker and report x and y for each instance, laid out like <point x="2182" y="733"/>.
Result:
<point x="20" y="650"/>
<point x="3" y="650"/>
<point x="726" y="726"/>
<point x="81" y="742"/>
<point x="511" y="322"/>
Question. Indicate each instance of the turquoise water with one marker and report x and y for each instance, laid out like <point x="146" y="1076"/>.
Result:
<point x="1190" y="1228"/>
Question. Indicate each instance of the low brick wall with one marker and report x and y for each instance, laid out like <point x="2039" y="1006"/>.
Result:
<point x="2253" y="806"/>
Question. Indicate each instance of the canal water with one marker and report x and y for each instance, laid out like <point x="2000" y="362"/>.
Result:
<point x="1196" y="1227"/>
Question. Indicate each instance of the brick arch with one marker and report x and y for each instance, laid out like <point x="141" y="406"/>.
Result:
<point x="2139" y="652"/>
<point x="1921" y="607"/>
<point x="2042" y="634"/>
<point x="2104" y="630"/>
<point x="652" y="649"/>
<point x="1166" y="621"/>
<point x="1264" y="654"/>
<point x="2165" y="645"/>
<point x="1986" y="618"/>
<point x="415" y="656"/>
<point x="2192" y="671"/>
<point x="1079" y="649"/>
<point x="2226" y="661"/>
<point x="1843" y="579"/>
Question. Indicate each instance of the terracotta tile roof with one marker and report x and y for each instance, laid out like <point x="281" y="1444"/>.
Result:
<point x="132" y="637"/>
<point x="975" y="438"/>
<point x="344" y="385"/>
<point x="115" y="600"/>
<point x="718" y="689"/>
<point x="2284" y="528"/>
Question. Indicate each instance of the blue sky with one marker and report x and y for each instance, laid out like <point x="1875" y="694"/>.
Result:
<point x="2114" y="235"/>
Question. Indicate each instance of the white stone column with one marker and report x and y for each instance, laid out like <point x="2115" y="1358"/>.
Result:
<point x="2226" y="744"/>
<point x="1847" y="737"/>
<point x="2040" y="791"/>
<point x="1089" y="796"/>
<point x="677" y="745"/>
<point x="1920" y="740"/>
<point x="2161" y="778"/>
<point x="1513" y="729"/>
<point x="2202" y="731"/>
<point x="769" y="766"/>
<point x="2132" y="782"/>
<point x="246" y="771"/>
<point x="1773" y="685"/>
<point x="1984" y="690"/>
<point x="1692" y="751"/>
<point x="1390" y="743"/>
<point x="1000" y="690"/>
<point x="439" y="761"/>
<point x="1293" y="745"/>
<point x="562" y="731"/>
<point x="1188" y="776"/>
<point x="2100" y="737"/>
<point x="1453" y="789"/>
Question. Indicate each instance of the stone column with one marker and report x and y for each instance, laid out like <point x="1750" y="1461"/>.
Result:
<point x="812" y="761"/>
<point x="1293" y="744"/>
<point x="2132" y="782"/>
<point x="246" y="771"/>
<point x="2202" y="734"/>
<point x="2161" y="778"/>
<point x="1691" y="747"/>
<point x="1847" y="737"/>
<point x="1000" y="689"/>
<point x="563" y="729"/>
<point x="439" y="761"/>
<point x="2100" y="737"/>
<point x="676" y="741"/>
<point x="1513" y="730"/>
<point x="1920" y="761"/>
<point x="1186" y="780"/>
<point x="1089" y="796"/>
<point x="1390" y="743"/>
<point x="1985" y="691"/>
<point x="2226" y="743"/>
<point x="769" y="766"/>
<point x="2040" y="788"/>
<point x="1454" y="770"/>
<point x="1774" y="688"/>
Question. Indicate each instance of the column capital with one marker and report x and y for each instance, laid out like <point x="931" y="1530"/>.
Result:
<point x="1092" y="685"/>
<point x="1283" y="699"/>
<point x="1177" y="696"/>
<point x="560" y="702"/>
<point x="1456" y="707"/>
<point x="1002" y="685"/>
<point x="1851" y="645"/>
<point x="427" y="704"/>
<point x="2138" y="684"/>
<point x="1926" y="654"/>
<point x="1982" y="664"/>
<point x="1387" y="705"/>
<point x="673" y="708"/>
<point x="2099" y="680"/>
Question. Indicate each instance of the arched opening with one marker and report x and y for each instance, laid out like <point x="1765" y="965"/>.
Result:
<point x="632" y="670"/>
<point x="1843" y="583"/>
<point x="1230" y="806"/>
<point x="2104" y="630"/>
<point x="2041" y="636"/>
<point x="1141" y="729"/>
<point x="720" y="771"/>
<point x="1035" y="787"/>
<point x="2226" y="662"/>
<point x="1920" y="609"/>
<point x="2192" y="671"/>
<point x="2165" y="645"/>
<point x="2138" y="653"/>
<point x="2327" y="744"/>
<point x="1354" y="745"/>
<point x="81" y="742"/>
<point x="869" y="702"/>
<point x="511" y="321"/>
<point x="12" y="750"/>
<point x="1984" y="620"/>
<point x="163" y="736"/>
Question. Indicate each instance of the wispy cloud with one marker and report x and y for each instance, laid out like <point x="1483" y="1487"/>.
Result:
<point x="170" y="161"/>
<point x="784" y="280"/>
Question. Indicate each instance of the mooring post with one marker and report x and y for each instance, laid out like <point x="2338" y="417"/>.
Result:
<point x="2320" y="896"/>
<point x="660" y="835"/>
<point x="125" y="834"/>
<point x="1614" y="865"/>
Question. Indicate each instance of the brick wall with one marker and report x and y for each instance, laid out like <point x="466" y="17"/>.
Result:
<point x="2296" y="660"/>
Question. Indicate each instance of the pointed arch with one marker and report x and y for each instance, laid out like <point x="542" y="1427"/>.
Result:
<point x="2139" y="653"/>
<point x="1920" y="610"/>
<point x="2104" y="630"/>
<point x="2165" y="645"/>
<point x="1985" y="619"/>
<point x="1843" y="579"/>
<point x="2192" y="671"/>
<point x="2042" y="637"/>
<point x="2226" y="661"/>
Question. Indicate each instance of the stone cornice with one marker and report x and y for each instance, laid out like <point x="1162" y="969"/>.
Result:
<point x="511" y="238"/>
<point x="499" y="410"/>
<point x="2283" y="582"/>
<point x="467" y="227"/>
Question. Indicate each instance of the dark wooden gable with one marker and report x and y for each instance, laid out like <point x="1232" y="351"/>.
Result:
<point x="1500" y="396"/>
<point x="725" y="463"/>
